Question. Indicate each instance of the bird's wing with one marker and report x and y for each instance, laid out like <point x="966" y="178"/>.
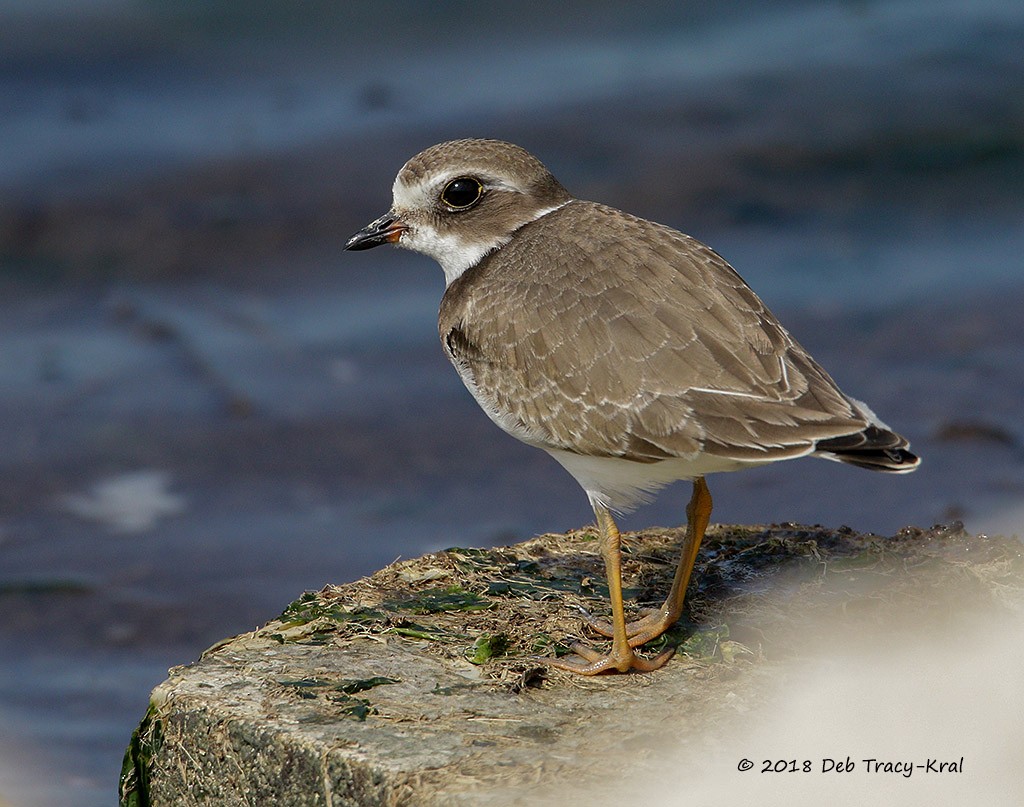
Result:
<point x="601" y="333"/>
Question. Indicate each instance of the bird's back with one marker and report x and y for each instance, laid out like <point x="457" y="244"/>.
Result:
<point x="600" y="333"/>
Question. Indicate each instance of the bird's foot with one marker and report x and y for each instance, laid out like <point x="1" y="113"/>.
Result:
<point x="593" y="662"/>
<point x="640" y="631"/>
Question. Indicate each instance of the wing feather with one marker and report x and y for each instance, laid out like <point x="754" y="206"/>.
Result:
<point x="628" y="339"/>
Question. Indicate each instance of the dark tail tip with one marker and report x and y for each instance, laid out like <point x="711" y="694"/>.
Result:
<point x="875" y="448"/>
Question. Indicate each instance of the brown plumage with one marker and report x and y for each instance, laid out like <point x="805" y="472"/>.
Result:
<point x="632" y="353"/>
<point x="638" y="342"/>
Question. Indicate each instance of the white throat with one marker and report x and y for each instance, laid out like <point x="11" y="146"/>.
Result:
<point x="452" y="252"/>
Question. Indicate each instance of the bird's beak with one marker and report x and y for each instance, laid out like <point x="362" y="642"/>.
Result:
<point x="387" y="229"/>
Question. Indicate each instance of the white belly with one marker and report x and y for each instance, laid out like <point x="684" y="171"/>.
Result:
<point x="616" y="483"/>
<point x="623" y="484"/>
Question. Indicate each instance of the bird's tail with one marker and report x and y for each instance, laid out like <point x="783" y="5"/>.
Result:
<point x="877" y="448"/>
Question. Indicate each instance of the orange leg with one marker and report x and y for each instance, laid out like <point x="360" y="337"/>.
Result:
<point x="657" y="621"/>
<point x="622" y="658"/>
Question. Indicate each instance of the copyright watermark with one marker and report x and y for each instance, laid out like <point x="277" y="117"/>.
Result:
<point x="869" y="765"/>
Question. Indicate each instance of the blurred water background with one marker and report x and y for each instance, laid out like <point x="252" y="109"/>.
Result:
<point x="207" y="408"/>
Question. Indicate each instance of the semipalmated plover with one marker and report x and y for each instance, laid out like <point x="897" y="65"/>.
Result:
<point x="630" y="352"/>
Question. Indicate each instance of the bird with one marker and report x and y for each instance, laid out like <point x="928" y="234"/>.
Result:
<point x="633" y="354"/>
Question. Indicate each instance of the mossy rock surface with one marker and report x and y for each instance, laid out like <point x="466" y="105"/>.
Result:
<point x="426" y="684"/>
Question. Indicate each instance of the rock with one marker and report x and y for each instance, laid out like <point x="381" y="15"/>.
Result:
<point x="425" y="684"/>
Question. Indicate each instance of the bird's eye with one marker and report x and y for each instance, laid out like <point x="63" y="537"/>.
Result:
<point x="462" y="193"/>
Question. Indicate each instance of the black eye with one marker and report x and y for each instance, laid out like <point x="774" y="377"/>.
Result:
<point x="461" y="193"/>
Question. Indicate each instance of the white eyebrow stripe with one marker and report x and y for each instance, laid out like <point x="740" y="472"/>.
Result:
<point x="499" y="185"/>
<point x="440" y="178"/>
